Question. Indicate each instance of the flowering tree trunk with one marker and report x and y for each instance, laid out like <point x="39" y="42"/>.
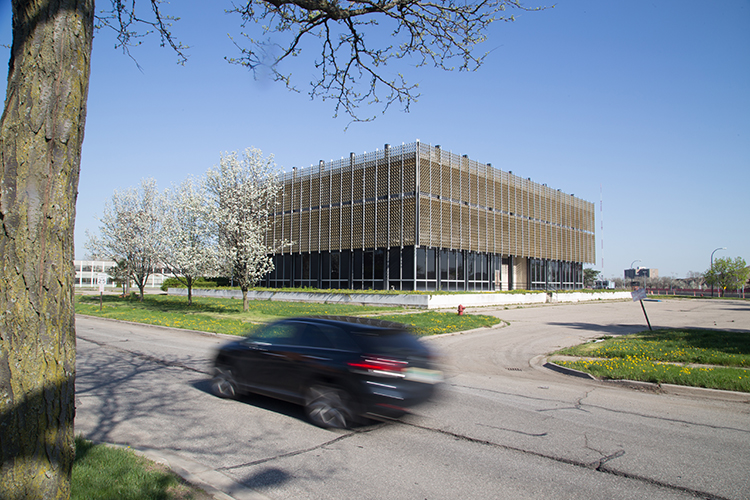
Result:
<point x="41" y="133"/>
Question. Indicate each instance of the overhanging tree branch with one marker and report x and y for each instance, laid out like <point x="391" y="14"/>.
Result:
<point x="444" y="34"/>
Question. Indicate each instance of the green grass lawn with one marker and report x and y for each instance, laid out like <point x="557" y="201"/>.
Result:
<point x="104" y="472"/>
<point x="226" y="315"/>
<point x="701" y="358"/>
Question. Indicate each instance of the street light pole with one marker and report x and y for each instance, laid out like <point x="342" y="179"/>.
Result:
<point x="712" y="266"/>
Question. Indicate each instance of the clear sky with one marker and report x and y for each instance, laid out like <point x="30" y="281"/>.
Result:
<point x="640" y="107"/>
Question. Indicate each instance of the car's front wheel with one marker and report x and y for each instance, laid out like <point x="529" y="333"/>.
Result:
<point x="223" y="384"/>
<point x="328" y="407"/>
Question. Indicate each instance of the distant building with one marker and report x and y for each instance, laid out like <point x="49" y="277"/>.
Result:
<point x="416" y="217"/>
<point x="604" y="284"/>
<point x="641" y="272"/>
<point x="87" y="273"/>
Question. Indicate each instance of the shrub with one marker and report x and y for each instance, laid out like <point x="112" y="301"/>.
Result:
<point x="198" y="283"/>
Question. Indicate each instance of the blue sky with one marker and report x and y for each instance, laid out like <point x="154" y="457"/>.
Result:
<point x="640" y="107"/>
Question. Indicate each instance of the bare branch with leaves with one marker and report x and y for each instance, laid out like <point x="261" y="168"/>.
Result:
<point x="444" y="34"/>
<point x="131" y="28"/>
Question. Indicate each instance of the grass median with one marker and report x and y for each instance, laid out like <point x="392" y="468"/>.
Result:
<point x="714" y="359"/>
<point x="226" y="315"/>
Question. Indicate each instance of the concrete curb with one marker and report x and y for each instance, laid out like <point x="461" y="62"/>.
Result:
<point x="567" y="371"/>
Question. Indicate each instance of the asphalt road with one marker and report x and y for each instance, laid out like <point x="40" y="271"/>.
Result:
<point x="503" y="426"/>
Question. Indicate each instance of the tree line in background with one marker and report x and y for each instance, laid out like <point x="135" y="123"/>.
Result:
<point x="210" y="226"/>
<point x="725" y="274"/>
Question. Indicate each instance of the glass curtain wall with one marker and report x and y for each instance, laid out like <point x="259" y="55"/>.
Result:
<point x="555" y="275"/>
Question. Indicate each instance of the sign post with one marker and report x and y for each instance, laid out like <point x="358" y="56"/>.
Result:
<point x="640" y="294"/>
<point x="101" y="280"/>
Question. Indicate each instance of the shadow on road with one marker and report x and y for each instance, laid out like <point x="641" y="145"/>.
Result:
<point x="623" y="329"/>
<point x="262" y="402"/>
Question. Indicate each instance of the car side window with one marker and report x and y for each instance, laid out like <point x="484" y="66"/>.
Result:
<point x="313" y="336"/>
<point x="277" y="334"/>
<point x="327" y="337"/>
<point x="340" y="339"/>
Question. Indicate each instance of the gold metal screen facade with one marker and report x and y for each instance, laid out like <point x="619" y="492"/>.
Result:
<point x="420" y="195"/>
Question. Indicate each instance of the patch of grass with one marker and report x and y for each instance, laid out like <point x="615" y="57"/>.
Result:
<point x="209" y="314"/>
<point x="728" y="379"/>
<point x="434" y="323"/>
<point x="711" y="347"/>
<point x="226" y="315"/>
<point x="101" y="471"/>
<point x="669" y="356"/>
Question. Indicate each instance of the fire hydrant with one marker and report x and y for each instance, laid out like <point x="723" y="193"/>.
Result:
<point x="461" y="310"/>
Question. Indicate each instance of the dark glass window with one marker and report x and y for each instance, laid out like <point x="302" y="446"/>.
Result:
<point x="335" y="256"/>
<point x="407" y="264"/>
<point x="431" y="256"/>
<point x="325" y="266"/>
<point x="554" y="273"/>
<point x="287" y="267"/>
<point x="306" y="266"/>
<point x="460" y="266"/>
<point x="379" y="264"/>
<point x="345" y="261"/>
<point x="368" y="264"/>
<point x="421" y="263"/>
<point x="444" y="265"/>
<point x="358" y="261"/>
<point x="452" y="265"/>
<point x="298" y="266"/>
<point x="277" y="334"/>
<point x="314" y="266"/>
<point x="394" y="263"/>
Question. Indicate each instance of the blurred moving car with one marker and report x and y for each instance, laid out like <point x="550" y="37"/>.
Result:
<point x="341" y="369"/>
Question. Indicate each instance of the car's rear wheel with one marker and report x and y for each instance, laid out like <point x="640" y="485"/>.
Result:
<point x="223" y="383"/>
<point x="328" y="407"/>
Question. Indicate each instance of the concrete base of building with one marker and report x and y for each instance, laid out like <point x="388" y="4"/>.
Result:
<point x="419" y="301"/>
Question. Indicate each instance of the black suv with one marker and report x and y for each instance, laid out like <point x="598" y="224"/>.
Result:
<point x="339" y="368"/>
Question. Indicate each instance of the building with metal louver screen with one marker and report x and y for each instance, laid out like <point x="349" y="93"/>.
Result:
<point x="416" y="217"/>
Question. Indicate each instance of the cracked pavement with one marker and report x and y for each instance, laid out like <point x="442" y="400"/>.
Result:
<point x="491" y="433"/>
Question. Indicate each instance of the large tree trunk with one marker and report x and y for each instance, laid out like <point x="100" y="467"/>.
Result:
<point x="40" y="149"/>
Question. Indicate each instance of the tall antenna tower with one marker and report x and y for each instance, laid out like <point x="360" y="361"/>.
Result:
<point x="601" y="221"/>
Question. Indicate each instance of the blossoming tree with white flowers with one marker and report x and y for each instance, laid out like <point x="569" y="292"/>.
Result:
<point x="242" y="192"/>
<point x="131" y="231"/>
<point x="189" y="246"/>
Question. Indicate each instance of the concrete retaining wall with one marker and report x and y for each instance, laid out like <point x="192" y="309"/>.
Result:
<point x="448" y="301"/>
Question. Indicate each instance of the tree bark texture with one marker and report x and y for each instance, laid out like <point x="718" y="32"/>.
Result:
<point x="41" y="134"/>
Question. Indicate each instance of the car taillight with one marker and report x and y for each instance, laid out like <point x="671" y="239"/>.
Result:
<point x="379" y="366"/>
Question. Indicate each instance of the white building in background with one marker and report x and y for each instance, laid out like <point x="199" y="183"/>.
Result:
<point x="87" y="273"/>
